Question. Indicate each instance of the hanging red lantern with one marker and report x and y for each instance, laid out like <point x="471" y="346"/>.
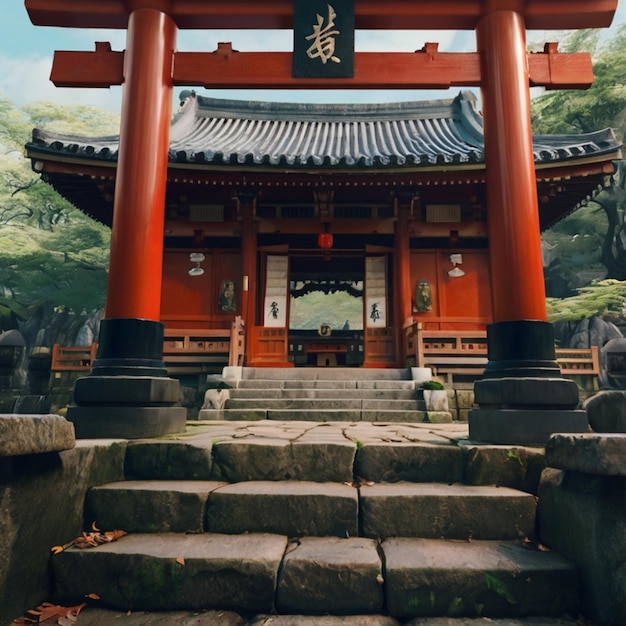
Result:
<point x="325" y="241"/>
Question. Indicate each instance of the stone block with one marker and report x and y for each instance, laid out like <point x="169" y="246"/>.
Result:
<point x="34" y="434"/>
<point x="127" y="390"/>
<point x="126" y="422"/>
<point x="407" y="461"/>
<point x="435" y="510"/>
<point x="41" y="505"/>
<point x="582" y="517"/>
<point x="174" y="571"/>
<point x="523" y="426"/>
<point x="507" y="466"/>
<point x="292" y="508"/>
<point x="278" y="459"/>
<point x="520" y="392"/>
<point x="330" y="575"/>
<point x="487" y="579"/>
<point x="590" y="453"/>
<point x="175" y="460"/>
<point x="149" y="506"/>
<point x="607" y="411"/>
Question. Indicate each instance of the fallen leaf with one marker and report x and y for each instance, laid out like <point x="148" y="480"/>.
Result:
<point x="180" y="560"/>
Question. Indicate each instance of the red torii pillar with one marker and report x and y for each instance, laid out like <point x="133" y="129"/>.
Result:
<point x="129" y="370"/>
<point x="522" y="373"/>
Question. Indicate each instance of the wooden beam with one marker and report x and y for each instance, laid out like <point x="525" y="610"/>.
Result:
<point x="369" y="14"/>
<point x="226" y="68"/>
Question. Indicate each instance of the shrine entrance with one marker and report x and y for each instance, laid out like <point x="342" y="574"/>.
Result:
<point x="326" y="309"/>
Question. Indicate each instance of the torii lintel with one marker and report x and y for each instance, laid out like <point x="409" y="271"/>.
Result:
<point x="226" y="68"/>
<point x="369" y="14"/>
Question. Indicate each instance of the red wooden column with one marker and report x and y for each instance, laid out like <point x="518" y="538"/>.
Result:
<point x="402" y="278"/>
<point x="138" y="216"/>
<point x="131" y="336"/>
<point x="249" y="263"/>
<point x="513" y="215"/>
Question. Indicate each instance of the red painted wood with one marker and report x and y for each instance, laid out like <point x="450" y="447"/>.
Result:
<point x="134" y="286"/>
<point x="512" y="207"/>
<point x="403" y="299"/>
<point x="225" y="68"/>
<point x="369" y="14"/>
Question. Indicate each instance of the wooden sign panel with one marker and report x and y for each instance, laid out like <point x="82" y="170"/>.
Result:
<point x="323" y="39"/>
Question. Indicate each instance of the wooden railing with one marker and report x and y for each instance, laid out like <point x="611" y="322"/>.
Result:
<point x="185" y="351"/>
<point x="193" y="351"/>
<point x="73" y="358"/>
<point x="464" y="352"/>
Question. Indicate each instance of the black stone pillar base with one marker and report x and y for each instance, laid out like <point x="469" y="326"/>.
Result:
<point x="130" y="347"/>
<point x="128" y="394"/>
<point x="522" y="398"/>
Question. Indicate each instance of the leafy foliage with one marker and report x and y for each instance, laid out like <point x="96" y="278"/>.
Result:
<point x="601" y="298"/>
<point x="49" y="251"/>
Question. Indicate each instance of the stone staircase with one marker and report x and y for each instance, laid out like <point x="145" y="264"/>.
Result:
<point x="323" y="394"/>
<point x="378" y="520"/>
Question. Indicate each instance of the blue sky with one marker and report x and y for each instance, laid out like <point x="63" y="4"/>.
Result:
<point x="26" y="58"/>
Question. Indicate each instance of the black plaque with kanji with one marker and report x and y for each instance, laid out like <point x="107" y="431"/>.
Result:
<point x="323" y="39"/>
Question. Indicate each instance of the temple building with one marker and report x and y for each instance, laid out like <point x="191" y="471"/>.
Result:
<point x="379" y="209"/>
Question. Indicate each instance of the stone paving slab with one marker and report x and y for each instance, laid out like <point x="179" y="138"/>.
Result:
<point x="436" y="510"/>
<point x="600" y="454"/>
<point x="331" y="575"/>
<point x="292" y="508"/>
<point x="175" y="571"/>
<point x="34" y="434"/>
<point x="429" y="577"/>
<point x="150" y="506"/>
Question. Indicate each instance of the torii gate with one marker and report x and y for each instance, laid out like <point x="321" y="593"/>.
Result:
<point x="520" y="341"/>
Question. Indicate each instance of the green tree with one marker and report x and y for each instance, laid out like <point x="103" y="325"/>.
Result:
<point x="49" y="250"/>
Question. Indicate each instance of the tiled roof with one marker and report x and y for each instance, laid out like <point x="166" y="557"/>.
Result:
<point x="219" y="132"/>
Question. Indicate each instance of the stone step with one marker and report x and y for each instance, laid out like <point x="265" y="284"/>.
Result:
<point x="328" y="394"/>
<point x="264" y="573"/>
<point x="322" y="403"/>
<point x="326" y="415"/>
<point x="261" y="383"/>
<point x="301" y="508"/>
<point x="332" y="452"/>
<point x="325" y="373"/>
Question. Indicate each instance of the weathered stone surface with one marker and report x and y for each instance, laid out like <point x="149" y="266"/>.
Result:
<point x="438" y="417"/>
<point x="277" y="459"/>
<point x="92" y="616"/>
<point x="435" y="510"/>
<point x="292" y="508"/>
<point x="522" y="392"/>
<point x="507" y="466"/>
<point x="411" y="461"/>
<point x="127" y="422"/>
<point x="34" y="434"/>
<point x="590" y="453"/>
<point x="582" y="516"/>
<point x="324" y="620"/>
<point x="169" y="459"/>
<point x="175" y="571"/>
<point x="606" y="411"/>
<point x="524" y="426"/>
<point x="329" y="575"/>
<point x="41" y="505"/>
<point x="127" y="390"/>
<point x="428" y="577"/>
<point x="150" y="506"/>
